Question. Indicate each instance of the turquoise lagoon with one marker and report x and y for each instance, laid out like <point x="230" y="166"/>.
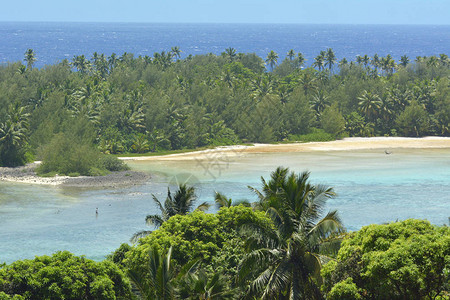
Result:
<point x="372" y="187"/>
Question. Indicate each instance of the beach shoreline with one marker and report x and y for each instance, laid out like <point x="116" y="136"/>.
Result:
<point x="27" y="175"/>
<point x="347" y="144"/>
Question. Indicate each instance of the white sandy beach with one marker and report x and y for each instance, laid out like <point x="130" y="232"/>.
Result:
<point x="347" y="144"/>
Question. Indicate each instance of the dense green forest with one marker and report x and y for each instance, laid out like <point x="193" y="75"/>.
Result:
<point x="127" y="104"/>
<point x="283" y="246"/>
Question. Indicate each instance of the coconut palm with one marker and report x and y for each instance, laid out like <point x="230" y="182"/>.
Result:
<point x="319" y="60"/>
<point x="444" y="60"/>
<point x="176" y="52"/>
<point x="300" y="60"/>
<point x="30" y="58"/>
<point x="365" y="60"/>
<point x="433" y="61"/>
<point x="343" y="62"/>
<point x="369" y="104"/>
<point x="285" y="261"/>
<point x="13" y="136"/>
<point x="230" y="53"/>
<point x="319" y="102"/>
<point x="200" y="286"/>
<point x="223" y="201"/>
<point x="112" y="61"/>
<point x="157" y="284"/>
<point x="330" y="58"/>
<point x="180" y="204"/>
<point x="388" y="64"/>
<point x="404" y="60"/>
<point x="272" y="59"/>
<point x="308" y="82"/>
<point x="291" y="54"/>
<point x="376" y="63"/>
<point x="156" y="280"/>
<point x="81" y="64"/>
<point x="359" y="59"/>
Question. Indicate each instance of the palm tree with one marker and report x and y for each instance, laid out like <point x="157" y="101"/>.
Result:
<point x="272" y="59"/>
<point x="291" y="54"/>
<point x="200" y="286"/>
<point x="376" y="63"/>
<point x="330" y="58"/>
<point x="388" y="64"/>
<point x="262" y="86"/>
<point x="13" y="136"/>
<point x="180" y="204"/>
<point x="308" y="82"/>
<point x="444" y="60"/>
<point x="404" y="60"/>
<point x="176" y="52"/>
<point x="81" y="64"/>
<point x="230" y="53"/>
<point x="156" y="281"/>
<point x="433" y="61"/>
<point x="30" y="58"/>
<point x="112" y="61"/>
<point x="300" y="60"/>
<point x="343" y="62"/>
<point x="369" y="104"/>
<point x="285" y="261"/>
<point x="319" y="60"/>
<point x="319" y="102"/>
<point x="223" y="201"/>
<point x="365" y="60"/>
<point x="359" y="59"/>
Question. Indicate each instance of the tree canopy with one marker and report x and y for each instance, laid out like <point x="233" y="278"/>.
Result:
<point x="163" y="102"/>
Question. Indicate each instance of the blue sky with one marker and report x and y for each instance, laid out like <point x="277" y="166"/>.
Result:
<point x="231" y="11"/>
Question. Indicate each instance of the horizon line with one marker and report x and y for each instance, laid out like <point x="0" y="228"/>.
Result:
<point x="224" y="23"/>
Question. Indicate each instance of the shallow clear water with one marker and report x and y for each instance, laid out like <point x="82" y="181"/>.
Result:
<point x="372" y="188"/>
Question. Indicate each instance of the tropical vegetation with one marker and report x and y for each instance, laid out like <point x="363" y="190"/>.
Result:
<point x="126" y="104"/>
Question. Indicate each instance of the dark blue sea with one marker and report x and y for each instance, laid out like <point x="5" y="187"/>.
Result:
<point x="53" y="42"/>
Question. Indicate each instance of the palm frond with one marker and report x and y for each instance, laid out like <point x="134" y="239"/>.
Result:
<point x="155" y="220"/>
<point x="203" y="207"/>
<point x="138" y="235"/>
<point x="221" y="200"/>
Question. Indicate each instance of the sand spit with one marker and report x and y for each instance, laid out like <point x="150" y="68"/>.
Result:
<point x="26" y="174"/>
<point x="347" y="144"/>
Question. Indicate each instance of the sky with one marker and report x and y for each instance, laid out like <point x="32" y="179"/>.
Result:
<point x="436" y="12"/>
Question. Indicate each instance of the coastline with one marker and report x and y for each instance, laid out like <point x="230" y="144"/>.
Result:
<point x="346" y="144"/>
<point x="25" y="174"/>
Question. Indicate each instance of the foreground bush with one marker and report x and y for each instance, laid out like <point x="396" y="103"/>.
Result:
<point x="63" y="276"/>
<point x="402" y="260"/>
<point x="213" y="239"/>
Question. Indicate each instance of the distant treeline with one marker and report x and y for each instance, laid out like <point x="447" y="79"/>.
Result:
<point x="141" y="104"/>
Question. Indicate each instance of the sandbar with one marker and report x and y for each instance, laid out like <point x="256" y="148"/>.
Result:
<point x="346" y="144"/>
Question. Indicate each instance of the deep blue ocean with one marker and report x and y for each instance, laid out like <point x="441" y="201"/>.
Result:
<point x="53" y="42"/>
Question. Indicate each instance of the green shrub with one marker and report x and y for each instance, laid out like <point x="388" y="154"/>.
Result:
<point x="64" y="155"/>
<point x="316" y="135"/>
<point x="401" y="260"/>
<point x="344" y="290"/>
<point x="63" y="276"/>
<point x="112" y="163"/>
